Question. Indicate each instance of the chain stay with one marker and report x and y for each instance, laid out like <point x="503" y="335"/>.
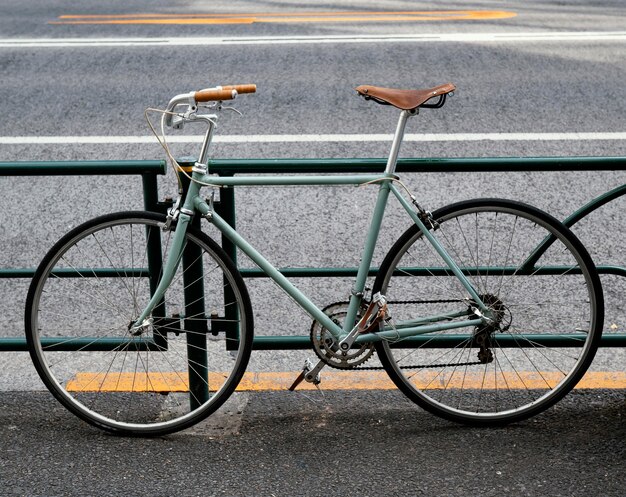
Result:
<point x="456" y="364"/>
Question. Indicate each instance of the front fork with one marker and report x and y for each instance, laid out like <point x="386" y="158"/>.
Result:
<point x="144" y="321"/>
<point x="181" y="218"/>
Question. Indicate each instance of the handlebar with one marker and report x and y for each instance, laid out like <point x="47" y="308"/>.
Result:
<point x="223" y="93"/>
<point x="216" y="94"/>
<point x="241" y="88"/>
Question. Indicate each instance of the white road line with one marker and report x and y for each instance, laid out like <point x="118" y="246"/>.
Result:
<point x="409" y="137"/>
<point x="281" y="40"/>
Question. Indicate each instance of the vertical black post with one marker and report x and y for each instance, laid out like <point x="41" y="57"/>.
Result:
<point x="150" y="192"/>
<point x="226" y="209"/>
<point x="195" y="322"/>
<point x="154" y="254"/>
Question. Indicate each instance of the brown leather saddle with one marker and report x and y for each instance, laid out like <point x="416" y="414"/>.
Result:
<point x="406" y="99"/>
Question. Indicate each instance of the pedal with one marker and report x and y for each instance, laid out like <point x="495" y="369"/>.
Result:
<point x="309" y="373"/>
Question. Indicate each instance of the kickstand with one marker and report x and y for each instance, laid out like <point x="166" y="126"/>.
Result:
<point x="323" y="400"/>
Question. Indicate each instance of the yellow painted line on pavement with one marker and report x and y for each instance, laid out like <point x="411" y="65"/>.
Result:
<point x="310" y="17"/>
<point x="336" y="380"/>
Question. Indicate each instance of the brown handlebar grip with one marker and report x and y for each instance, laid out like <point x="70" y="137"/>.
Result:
<point x="211" y="95"/>
<point x="241" y="88"/>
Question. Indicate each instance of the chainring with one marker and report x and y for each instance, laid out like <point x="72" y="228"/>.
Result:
<point x="326" y="346"/>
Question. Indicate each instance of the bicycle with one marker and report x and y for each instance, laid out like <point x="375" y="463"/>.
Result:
<point x="486" y="311"/>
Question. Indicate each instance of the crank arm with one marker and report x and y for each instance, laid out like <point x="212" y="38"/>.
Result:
<point x="309" y="373"/>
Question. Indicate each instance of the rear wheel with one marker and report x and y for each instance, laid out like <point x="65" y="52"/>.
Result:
<point x="90" y="288"/>
<point x="546" y="307"/>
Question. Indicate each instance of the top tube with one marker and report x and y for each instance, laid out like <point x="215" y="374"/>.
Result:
<point x="355" y="179"/>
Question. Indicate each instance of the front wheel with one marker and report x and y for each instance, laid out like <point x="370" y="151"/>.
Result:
<point x="545" y="302"/>
<point x="173" y="372"/>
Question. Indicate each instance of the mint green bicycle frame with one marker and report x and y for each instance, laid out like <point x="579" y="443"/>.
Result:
<point x="194" y="203"/>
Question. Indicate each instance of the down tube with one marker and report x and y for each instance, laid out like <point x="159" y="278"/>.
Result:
<point x="440" y="250"/>
<point x="270" y="270"/>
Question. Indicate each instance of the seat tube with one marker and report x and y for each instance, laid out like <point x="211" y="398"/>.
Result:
<point x="374" y="230"/>
<point x="367" y="255"/>
<point x="397" y="141"/>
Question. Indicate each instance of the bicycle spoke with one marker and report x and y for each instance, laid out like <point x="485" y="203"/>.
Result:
<point x="152" y="380"/>
<point x="500" y="370"/>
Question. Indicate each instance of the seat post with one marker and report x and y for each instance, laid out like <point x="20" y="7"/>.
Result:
<point x="397" y="140"/>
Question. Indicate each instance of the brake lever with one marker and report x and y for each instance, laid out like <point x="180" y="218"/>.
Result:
<point x="233" y="109"/>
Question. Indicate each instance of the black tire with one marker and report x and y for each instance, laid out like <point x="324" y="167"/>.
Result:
<point x="88" y="290"/>
<point x="515" y="377"/>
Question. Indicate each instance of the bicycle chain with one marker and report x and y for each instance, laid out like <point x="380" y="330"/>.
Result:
<point x="441" y="301"/>
<point x="456" y="364"/>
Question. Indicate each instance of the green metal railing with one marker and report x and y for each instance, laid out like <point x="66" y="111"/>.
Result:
<point x="229" y="167"/>
<point x="227" y="209"/>
<point x="148" y="170"/>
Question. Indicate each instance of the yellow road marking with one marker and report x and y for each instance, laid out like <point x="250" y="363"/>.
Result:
<point x="333" y="380"/>
<point x="128" y="382"/>
<point x="402" y="16"/>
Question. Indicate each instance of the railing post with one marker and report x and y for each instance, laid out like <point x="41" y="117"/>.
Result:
<point x="226" y="210"/>
<point x="151" y="193"/>
<point x="194" y="326"/>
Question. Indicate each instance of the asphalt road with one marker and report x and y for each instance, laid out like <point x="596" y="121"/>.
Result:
<point x="354" y="444"/>
<point x="305" y="70"/>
